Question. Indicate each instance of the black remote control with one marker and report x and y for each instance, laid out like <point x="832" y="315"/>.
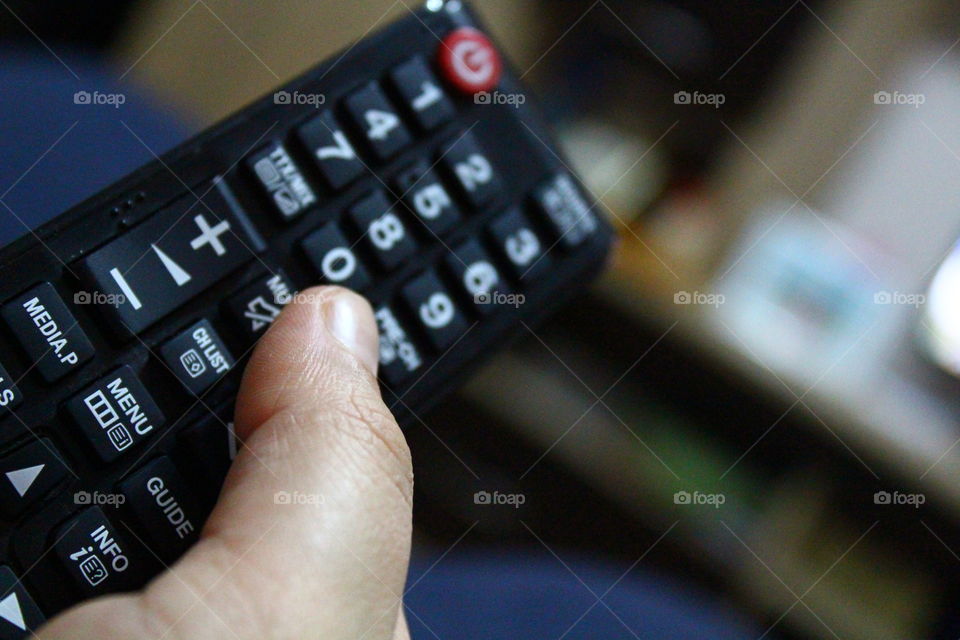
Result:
<point x="412" y="169"/>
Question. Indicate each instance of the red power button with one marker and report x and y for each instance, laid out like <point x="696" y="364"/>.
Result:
<point x="469" y="61"/>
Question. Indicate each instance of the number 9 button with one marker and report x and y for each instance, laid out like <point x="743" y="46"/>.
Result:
<point x="432" y="306"/>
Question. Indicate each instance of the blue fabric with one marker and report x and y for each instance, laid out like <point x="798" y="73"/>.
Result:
<point x="530" y="595"/>
<point x="37" y="107"/>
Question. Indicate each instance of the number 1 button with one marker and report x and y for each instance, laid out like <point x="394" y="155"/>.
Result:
<point x="372" y="113"/>
<point x="429" y="301"/>
<point x="330" y="148"/>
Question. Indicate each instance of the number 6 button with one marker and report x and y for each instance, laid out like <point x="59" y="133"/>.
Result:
<point x="383" y="230"/>
<point x="429" y="301"/>
<point x="371" y="113"/>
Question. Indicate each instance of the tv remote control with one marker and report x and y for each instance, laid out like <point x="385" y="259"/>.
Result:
<point x="409" y="169"/>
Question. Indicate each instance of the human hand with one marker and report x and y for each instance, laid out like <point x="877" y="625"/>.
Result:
<point x="312" y="421"/>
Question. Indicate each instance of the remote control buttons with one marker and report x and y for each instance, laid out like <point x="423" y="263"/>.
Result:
<point x="176" y="254"/>
<point x="477" y="276"/>
<point x="27" y="474"/>
<point x="198" y="357"/>
<point x="428" y="199"/>
<point x="334" y="258"/>
<point x="520" y="244"/>
<point x="281" y="181"/>
<point x="98" y="559"/>
<point x="372" y="113"/>
<point x="383" y="230"/>
<point x="330" y="148"/>
<point x="115" y="413"/>
<point x="429" y="302"/>
<point x="468" y="165"/>
<point x="563" y="206"/>
<point x="425" y="100"/>
<point x="254" y="308"/>
<point x="10" y="395"/>
<point x="399" y="357"/>
<point x="165" y="511"/>
<point x="19" y="614"/>
<point x="47" y="331"/>
<point x="469" y="61"/>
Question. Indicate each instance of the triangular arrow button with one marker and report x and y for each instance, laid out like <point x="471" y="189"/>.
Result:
<point x="10" y="611"/>
<point x="22" y="479"/>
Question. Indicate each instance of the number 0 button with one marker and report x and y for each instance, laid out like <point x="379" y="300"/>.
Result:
<point x="433" y="307"/>
<point x="373" y="114"/>
<point x="334" y="259"/>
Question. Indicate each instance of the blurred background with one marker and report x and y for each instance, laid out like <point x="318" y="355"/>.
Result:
<point x="758" y="401"/>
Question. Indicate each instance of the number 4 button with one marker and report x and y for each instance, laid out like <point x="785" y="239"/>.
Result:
<point x="372" y="113"/>
<point x="432" y="306"/>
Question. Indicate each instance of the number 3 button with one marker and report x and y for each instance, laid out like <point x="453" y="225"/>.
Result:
<point x="520" y="244"/>
<point x="371" y="113"/>
<point x="429" y="301"/>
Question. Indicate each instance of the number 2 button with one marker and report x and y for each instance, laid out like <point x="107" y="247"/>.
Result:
<point x="372" y="113"/>
<point x="433" y="307"/>
<point x="383" y="230"/>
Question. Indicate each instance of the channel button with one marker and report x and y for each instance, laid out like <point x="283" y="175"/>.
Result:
<point x="197" y="356"/>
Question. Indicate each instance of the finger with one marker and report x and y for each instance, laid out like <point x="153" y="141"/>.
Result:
<point x="311" y="534"/>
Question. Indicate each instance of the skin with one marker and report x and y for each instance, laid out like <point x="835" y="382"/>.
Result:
<point x="331" y="565"/>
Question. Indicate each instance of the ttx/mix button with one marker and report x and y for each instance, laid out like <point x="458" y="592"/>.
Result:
<point x="173" y="256"/>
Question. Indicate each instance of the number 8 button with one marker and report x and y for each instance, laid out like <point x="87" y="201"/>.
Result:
<point x="383" y="230"/>
<point x="429" y="301"/>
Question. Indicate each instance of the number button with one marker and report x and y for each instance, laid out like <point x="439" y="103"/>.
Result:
<point x="429" y="301"/>
<point x="425" y="100"/>
<point x="520" y="244"/>
<point x="372" y="113"/>
<point x="326" y="142"/>
<point x="471" y="169"/>
<point x="334" y="258"/>
<point x="428" y="199"/>
<point x="383" y="230"/>
<point x="478" y="277"/>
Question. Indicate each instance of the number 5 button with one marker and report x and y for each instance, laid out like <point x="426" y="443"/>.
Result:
<point x="431" y="304"/>
<point x="372" y="113"/>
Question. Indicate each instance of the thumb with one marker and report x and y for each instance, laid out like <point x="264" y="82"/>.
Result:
<point x="311" y="534"/>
